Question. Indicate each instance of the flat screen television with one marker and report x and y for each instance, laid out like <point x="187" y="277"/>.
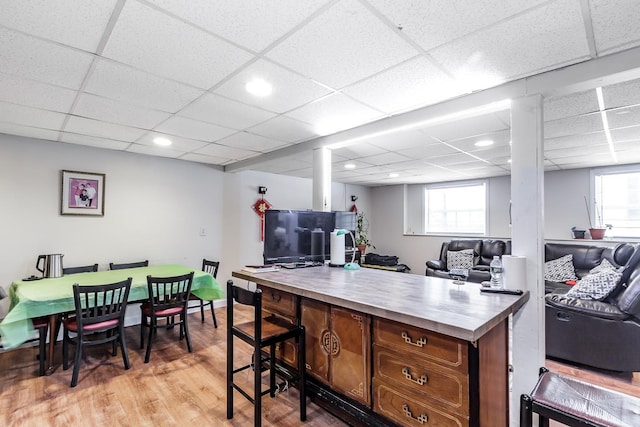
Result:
<point x="300" y="236"/>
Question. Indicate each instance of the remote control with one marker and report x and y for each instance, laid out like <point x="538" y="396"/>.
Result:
<point x="503" y="291"/>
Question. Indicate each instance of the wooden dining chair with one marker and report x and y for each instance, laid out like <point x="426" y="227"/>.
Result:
<point x="99" y="309"/>
<point x="210" y="267"/>
<point x="113" y="266"/>
<point x="262" y="333"/>
<point x="168" y="297"/>
<point x="84" y="269"/>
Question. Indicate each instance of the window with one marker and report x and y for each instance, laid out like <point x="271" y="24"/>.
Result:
<point x="456" y="208"/>
<point x="617" y="200"/>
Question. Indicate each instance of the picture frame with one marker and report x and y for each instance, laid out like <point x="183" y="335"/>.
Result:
<point x="82" y="193"/>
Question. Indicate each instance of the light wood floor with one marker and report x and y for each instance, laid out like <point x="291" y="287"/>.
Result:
<point x="175" y="388"/>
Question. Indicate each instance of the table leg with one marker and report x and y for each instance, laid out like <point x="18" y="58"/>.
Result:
<point x="50" y="368"/>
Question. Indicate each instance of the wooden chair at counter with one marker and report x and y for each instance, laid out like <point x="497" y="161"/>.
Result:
<point x="168" y="297"/>
<point x="99" y="309"/>
<point x="262" y="333"/>
<point x="113" y="266"/>
<point x="84" y="269"/>
<point x="210" y="267"/>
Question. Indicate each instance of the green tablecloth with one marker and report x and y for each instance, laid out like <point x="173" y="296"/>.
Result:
<point x="30" y="299"/>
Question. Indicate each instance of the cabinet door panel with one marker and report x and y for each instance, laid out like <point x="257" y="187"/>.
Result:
<point x="315" y="319"/>
<point x="350" y="351"/>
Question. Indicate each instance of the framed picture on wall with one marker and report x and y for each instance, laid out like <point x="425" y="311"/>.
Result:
<point x="82" y="193"/>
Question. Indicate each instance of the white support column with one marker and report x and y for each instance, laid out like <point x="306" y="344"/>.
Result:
<point x="322" y="179"/>
<point x="527" y="214"/>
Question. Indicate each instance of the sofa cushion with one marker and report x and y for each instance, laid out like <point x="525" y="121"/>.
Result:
<point x="460" y="259"/>
<point x="599" y="309"/>
<point x="605" y="265"/>
<point x="596" y="286"/>
<point x="560" y="270"/>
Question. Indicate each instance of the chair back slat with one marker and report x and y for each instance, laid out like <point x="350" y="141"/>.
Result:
<point x="245" y="296"/>
<point x="210" y="267"/>
<point x="99" y="303"/>
<point x="113" y="266"/>
<point x="84" y="269"/>
<point x="169" y="292"/>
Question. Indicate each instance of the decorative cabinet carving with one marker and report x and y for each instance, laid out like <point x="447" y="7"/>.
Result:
<point x="281" y="304"/>
<point x="338" y="348"/>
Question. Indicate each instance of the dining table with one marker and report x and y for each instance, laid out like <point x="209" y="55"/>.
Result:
<point x="53" y="296"/>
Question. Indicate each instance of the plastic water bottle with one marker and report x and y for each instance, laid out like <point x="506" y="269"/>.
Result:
<point x="495" y="269"/>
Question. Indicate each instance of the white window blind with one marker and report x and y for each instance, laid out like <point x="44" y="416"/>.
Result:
<point x="456" y="209"/>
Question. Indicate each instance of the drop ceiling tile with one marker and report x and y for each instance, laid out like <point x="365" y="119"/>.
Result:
<point x="218" y="150"/>
<point x="30" y="93"/>
<point x="517" y="47"/>
<point x="385" y="159"/>
<point x="573" y="126"/>
<point x="575" y="141"/>
<point x="128" y="85"/>
<point x="621" y="94"/>
<point x="155" y="42"/>
<point x="76" y="23"/>
<point x="27" y="131"/>
<point x="627" y="147"/>
<point x="334" y="113"/>
<point x="46" y="62"/>
<point x="626" y="134"/>
<point x="361" y="149"/>
<point x="212" y="160"/>
<point x="492" y="154"/>
<point x="500" y="139"/>
<point x="27" y="116"/>
<point x="615" y="24"/>
<point x="626" y="117"/>
<point x="410" y="85"/>
<point x="250" y="141"/>
<point x="428" y="152"/>
<point x="338" y="166"/>
<point x="432" y="24"/>
<point x="154" y="151"/>
<point x="401" y="140"/>
<point x="466" y="128"/>
<point x="109" y="110"/>
<point x="83" y="126"/>
<point x="92" y="141"/>
<point x="284" y="129"/>
<point x="177" y="143"/>
<point x="585" y="153"/>
<point x="225" y="112"/>
<point x="574" y="104"/>
<point x="289" y="89"/>
<point x="303" y="173"/>
<point x="251" y="24"/>
<point x="372" y="46"/>
<point x="452" y="159"/>
<point x="193" y="129"/>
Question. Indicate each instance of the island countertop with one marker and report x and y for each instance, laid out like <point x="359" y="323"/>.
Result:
<point x="431" y="303"/>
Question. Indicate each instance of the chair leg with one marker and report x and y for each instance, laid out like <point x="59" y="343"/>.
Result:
<point x="65" y="350"/>
<point x="272" y="370"/>
<point x="526" y="411"/>
<point x="302" y="371"/>
<point x="257" y="385"/>
<point x="201" y="303"/>
<point x="229" y="362"/>
<point x="142" y="326"/>
<point x="123" y="347"/>
<point x="213" y="314"/>
<point x="76" y="365"/>
<point x="186" y="330"/>
<point x="152" y="326"/>
<point x="42" y="349"/>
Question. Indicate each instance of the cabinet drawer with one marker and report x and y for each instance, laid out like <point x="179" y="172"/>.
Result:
<point x="279" y="302"/>
<point x="421" y="378"/>
<point x="406" y="410"/>
<point x="437" y="348"/>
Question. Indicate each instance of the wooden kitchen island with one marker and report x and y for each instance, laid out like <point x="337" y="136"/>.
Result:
<point x="388" y="349"/>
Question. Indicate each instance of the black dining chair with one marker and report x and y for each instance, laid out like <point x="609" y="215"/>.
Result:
<point x="99" y="310"/>
<point x="168" y="297"/>
<point x="210" y="267"/>
<point x="113" y="266"/>
<point x="262" y="333"/>
<point x="84" y="269"/>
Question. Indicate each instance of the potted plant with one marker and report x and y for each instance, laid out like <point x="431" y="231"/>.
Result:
<point x="362" y="228"/>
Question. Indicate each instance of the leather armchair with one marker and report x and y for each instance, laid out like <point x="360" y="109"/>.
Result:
<point x="483" y="250"/>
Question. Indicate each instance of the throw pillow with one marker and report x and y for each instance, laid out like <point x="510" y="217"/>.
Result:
<point x="460" y="259"/>
<point x="596" y="286"/>
<point x="605" y="265"/>
<point x="560" y="270"/>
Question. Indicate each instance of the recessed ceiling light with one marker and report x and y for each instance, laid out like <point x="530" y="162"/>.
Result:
<point x="394" y="175"/>
<point x="349" y="166"/>
<point x="484" y="143"/>
<point x="162" y="141"/>
<point x="259" y="87"/>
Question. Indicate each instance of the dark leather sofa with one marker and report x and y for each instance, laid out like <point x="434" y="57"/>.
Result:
<point x="484" y="251"/>
<point x="602" y="334"/>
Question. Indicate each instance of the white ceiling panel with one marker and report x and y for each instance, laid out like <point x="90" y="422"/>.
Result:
<point x="401" y="140"/>
<point x="30" y="93"/>
<point x="626" y="134"/>
<point x="126" y="84"/>
<point x="225" y="112"/>
<point x="621" y="94"/>
<point x="573" y="125"/>
<point x="251" y="24"/>
<point x="575" y="141"/>
<point x="199" y="158"/>
<point x="429" y="151"/>
<point x="154" y="151"/>
<point x="615" y="23"/>
<point x="626" y="117"/>
<point x="574" y="104"/>
<point x="583" y="153"/>
<point x="284" y="129"/>
<point x="100" y="129"/>
<point x="289" y="89"/>
<point x="412" y="84"/>
<point x="518" y="47"/>
<point x="177" y="143"/>
<point x="334" y="113"/>
<point x="372" y="46"/>
<point x="385" y="159"/>
<point x="469" y="127"/>
<point x="109" y="110"/>
<point x="500" y="139"/>
<point x="43" y="61"/>
<point x="224" y="151"/>
<point x="253" y="142"/>
<point x="194" y="129"/>
<point x="30" y="132"/>
<point x="27" y="116"/>
<point x="362" y="149"/>
<point x="453" y="159"/>
<point x="76" y="23"/>
<point x="92" y="141"/>
<point x="155" y="42"/>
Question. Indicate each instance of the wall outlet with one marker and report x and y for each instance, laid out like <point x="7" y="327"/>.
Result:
<point x="203" y="232"/>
